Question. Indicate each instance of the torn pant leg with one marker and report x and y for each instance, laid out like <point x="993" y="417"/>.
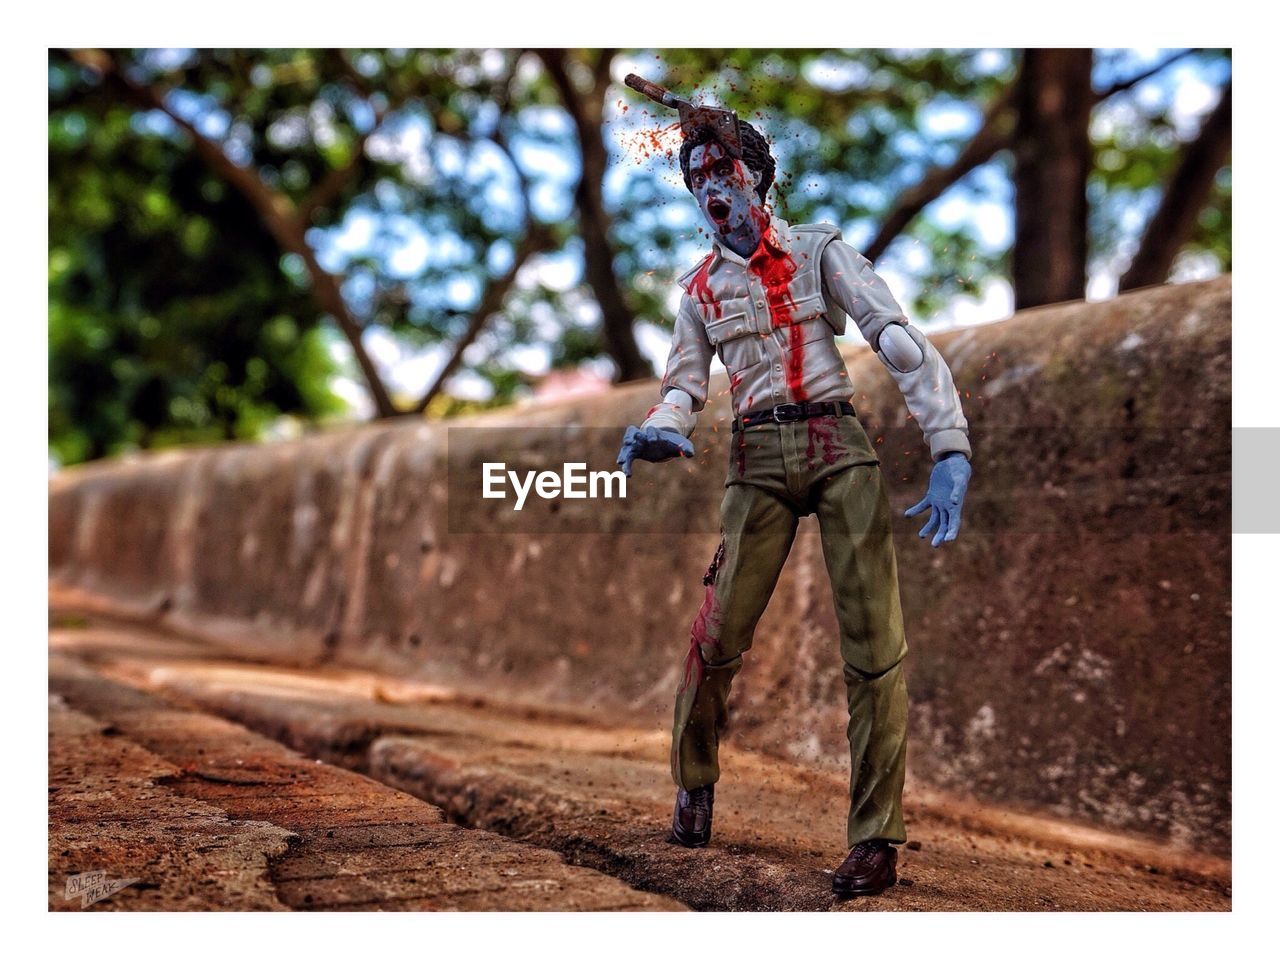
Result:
<point x="758" y="532"/>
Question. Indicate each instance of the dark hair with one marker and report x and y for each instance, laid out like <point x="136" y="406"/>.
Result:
<point x="755" y="153"/>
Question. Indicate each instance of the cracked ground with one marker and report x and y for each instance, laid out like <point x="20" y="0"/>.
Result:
<point x="220" y="784"/>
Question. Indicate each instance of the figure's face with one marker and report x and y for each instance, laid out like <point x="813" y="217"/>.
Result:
<point x="724" y="187"/>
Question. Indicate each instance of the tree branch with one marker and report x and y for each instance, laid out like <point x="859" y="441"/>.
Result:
<point x="600" y="73"/>
<point x="536" y="240"/>
<point x="337" y="179"/>
<point x="1131" y="82"/>
<point x="277" y="211"/>
<point x="594" y="223"/>
<point x="994" y="135"/>
<point x="1184" y="197"/>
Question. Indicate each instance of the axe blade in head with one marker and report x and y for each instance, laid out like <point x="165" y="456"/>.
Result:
<point x="723" y="122"/>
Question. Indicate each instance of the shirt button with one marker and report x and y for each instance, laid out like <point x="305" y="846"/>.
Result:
<point x="759" y="303"/>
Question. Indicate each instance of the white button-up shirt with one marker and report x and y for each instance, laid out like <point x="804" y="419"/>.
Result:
<point x="773" y="319"/>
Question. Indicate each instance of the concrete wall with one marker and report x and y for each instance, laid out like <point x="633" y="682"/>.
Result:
<point x="1071" y="652"/>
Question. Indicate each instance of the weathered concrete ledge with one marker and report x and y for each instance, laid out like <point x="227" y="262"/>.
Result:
<point x="1072" y="652"/>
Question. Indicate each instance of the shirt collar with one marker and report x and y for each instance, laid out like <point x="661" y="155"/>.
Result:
<point x="777" y="239"/>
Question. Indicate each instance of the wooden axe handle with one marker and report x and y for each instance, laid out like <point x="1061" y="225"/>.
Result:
<point x="649" y="89"/>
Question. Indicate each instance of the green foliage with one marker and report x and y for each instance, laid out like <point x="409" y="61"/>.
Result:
<point x="1213" y="227"/>
<point x="174" y="316"/>
<point x="846" y="130"/>
<point x="169" y="319"/>
<point x="1136" y="148"/>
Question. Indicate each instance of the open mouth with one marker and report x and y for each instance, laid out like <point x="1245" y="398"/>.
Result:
<point x="718" y="209"/>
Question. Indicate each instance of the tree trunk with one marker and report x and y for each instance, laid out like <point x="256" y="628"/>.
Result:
<point x="1185" y="196"/>
<point x="1052" y="160"/>
<point x="587" y="111"/>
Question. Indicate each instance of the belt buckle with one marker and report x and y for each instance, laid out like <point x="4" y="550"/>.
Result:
<point x="788" y="413"/>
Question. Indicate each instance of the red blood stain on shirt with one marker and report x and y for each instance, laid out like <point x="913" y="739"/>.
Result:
<point x="700" y="287"/>
<point x="776" y="270"/>
<point x="795" y="363"/>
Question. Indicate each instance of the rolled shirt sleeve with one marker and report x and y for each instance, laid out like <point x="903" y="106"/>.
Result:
<point x="928" y="389"/>
<point x="684" y="385"/>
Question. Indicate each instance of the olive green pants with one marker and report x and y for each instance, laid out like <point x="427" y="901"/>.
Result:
<point x="777" y="474"/>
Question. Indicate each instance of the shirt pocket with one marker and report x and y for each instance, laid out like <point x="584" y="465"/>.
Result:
<point x="810" y="316"/>
<point x="735" y="340"/>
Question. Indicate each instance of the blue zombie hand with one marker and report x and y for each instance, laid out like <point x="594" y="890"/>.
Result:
<point x="948" y="484"/>
<point x="652" y="444"/>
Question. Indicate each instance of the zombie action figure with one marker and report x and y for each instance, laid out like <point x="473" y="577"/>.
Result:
<point x="769" y="300"/>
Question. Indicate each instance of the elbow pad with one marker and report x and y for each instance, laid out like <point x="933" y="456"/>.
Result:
<point x="900" y="347"/>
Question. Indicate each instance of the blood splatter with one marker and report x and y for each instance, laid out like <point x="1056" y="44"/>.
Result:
<point x="700" y="287"/>
<point x="795" y="363"/>
<point x="776" y="271"/>
<point x="823" y="430"/>
<point x="649" y="142"/>
<point x="706" y="625"/>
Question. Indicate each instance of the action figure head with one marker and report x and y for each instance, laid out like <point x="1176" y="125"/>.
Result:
<point x="730" y="192"/>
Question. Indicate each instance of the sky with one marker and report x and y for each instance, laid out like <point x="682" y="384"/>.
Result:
<point x="983" y="206"/>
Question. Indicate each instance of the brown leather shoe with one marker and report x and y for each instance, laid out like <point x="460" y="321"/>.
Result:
<point x="868" y="870"/>
<point x="691" y="824"/>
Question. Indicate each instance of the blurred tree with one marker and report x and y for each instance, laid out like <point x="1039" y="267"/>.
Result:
<point x="149" y="343"/>
<point x="1053" y="97"/>
<point x="1189" y="195"/>
<point x="295" y="131"/>
<point x="225" y="198"/>
<point x="584" y="100"/>
<point x="850" y="132"/>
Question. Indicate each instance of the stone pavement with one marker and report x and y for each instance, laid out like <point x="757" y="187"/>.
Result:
<point x="225" y="784"/>
<point x="211" y="816"/>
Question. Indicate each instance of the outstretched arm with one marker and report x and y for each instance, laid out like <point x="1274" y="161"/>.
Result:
<point x="921" y="374"/>
<point x="665" y="431"/>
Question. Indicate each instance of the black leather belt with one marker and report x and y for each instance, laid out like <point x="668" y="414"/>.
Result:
<point x="794" y="412"/>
